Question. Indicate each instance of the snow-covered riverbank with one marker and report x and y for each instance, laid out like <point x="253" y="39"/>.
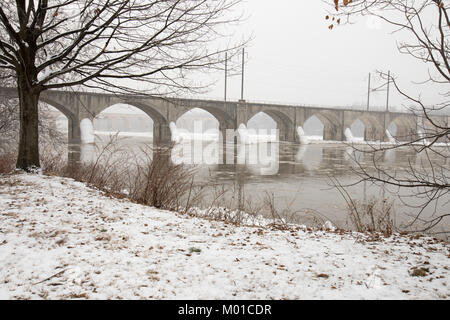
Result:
<point x="61" y="240"/>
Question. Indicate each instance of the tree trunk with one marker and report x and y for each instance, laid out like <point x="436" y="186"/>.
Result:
<point x="28" y="158"/>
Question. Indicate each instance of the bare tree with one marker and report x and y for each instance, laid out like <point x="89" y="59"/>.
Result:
<point x="10" y="126"/>
<point x="9" y="120"/>
<point x="426" y="24"/>
<point x="110" y="45"/>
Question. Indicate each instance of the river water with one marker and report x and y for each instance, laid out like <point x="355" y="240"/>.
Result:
<point x="298" y="176"/>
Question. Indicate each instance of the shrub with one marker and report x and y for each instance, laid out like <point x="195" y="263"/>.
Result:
<point x="149" y="178"/>
<point x="160" y="183"/>
<point x="7" y="162"/>
<point x="373" y="215"/>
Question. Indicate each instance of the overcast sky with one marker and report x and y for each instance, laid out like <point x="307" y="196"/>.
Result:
<point x="295" y="58"/>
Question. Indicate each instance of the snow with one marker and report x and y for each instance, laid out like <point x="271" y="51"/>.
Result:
<point x="175" y="136"/>
<point x="391" y="139"/>
<point x="62" y="240"/>
<point x="349" y="135"/>
<point x="302" y="136"/>
<point x="87" y="131"/>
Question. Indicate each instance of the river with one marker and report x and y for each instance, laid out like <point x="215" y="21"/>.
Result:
<point x="298" y="176"/>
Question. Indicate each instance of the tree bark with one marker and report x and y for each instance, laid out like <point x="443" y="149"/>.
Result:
<point x="28" y="157"/>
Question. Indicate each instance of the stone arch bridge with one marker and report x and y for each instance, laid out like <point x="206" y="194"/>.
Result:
<point x="77" y="106"/>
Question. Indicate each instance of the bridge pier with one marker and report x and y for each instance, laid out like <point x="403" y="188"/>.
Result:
<point x="445" y="123"/>
<point x="161" y="134"/>
<point x="287" y="134"/>
<point x="74" y="134"/>
<point x="333" y="133"/>
<point x="74" y="154"/>
<point x="407" y="131"/>
<point x="229" y="139"/>
<point x="374" y="134"/>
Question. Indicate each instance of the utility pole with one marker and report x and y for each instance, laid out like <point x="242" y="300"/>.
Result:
<point x="387" y="105"/>
<point x="242" y="81"/>
<point x="387" y="95"/>
<point x="223" y="131"/>
<point x="368" y="95"/>
<point x="226" y="76"/>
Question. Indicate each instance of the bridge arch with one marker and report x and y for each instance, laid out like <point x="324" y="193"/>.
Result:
<point x="279" y="117"/>
<point x="153" y="113"/>
<point x="209" y="122"/>
<point x="330" y="121"/>
<point x="314" y="127"/>
<point x="74" y="133"/>
<point x="67" y="112"/>
<point x="284" y="123"/>
<point x="261" y="120"/>
<point x="358" y="129"/>
<point x="131" y="119"/>
<point x="373" y="127"/>
<point x="262" y="124"/>
<point x="224" y="119"/>
<point x="405" y="127"/>
<point x="161" y="131"/>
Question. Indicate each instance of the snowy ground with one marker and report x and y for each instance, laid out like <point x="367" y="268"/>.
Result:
<point x="62" y="240"/>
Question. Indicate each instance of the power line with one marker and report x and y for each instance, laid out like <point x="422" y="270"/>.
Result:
<point x="242" y="82"/>
<point x="368" y="95"/>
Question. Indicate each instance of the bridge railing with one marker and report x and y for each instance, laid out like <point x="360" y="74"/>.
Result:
<point x="304" y="105"/>
<point x="399" y="109"/>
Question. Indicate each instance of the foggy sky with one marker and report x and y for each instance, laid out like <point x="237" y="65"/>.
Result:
<point x="295" y="58"/>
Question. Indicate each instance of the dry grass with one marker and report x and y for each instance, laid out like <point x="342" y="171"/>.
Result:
<point x="148" y="178"/>
<point x="373" y="215"/>
<point x="231" y="203"/>
<point x="7" y="162"/>
<point x="160" y="183"/>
